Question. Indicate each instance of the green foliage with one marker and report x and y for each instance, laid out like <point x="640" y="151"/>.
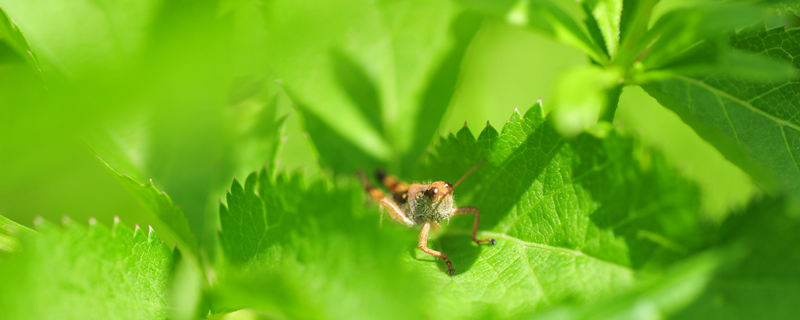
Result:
<point x="75" y="272"/>
<point x="589" y="222"/>
<point x="310" y="251"/>
<point x="8" y="234"/>
<point x="743" y="272"/>
<point x="170" y="217"/>
<point x="560" y="238"/>
<point x="754" y="124"/>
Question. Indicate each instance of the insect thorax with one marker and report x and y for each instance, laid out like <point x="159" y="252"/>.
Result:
<point x="423" y="209"/>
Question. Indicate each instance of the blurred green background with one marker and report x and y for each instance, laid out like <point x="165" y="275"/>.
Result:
<point x="185" y="93"/>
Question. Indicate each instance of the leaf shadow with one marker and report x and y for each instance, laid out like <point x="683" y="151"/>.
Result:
<point x="334" y="150"/>
<point x="463" y="253"/>
<point x="503" y="184"/>
<point x="359" y="87"/>
<point x="441" y="87"/>
<point x="647" y="206"/>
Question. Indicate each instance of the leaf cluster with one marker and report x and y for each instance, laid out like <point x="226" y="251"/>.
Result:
<point x="589" y="222"/>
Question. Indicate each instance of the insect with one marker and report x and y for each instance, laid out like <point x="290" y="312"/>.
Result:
<point x="423" y="204"/>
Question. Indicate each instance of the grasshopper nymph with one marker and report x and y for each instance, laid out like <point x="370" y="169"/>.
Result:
<point x="422" y="204"/>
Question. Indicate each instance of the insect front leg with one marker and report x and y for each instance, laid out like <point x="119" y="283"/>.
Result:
<point x="385" y="202"/>
<point x="423" y="245"/>
<point x="476" y="212"/>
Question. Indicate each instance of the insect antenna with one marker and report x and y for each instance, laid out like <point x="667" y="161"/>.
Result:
<point x="469" y="172"/>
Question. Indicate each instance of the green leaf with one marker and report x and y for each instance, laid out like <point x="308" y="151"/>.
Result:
<point x="744" y="273"/>
<point x="759" y="277"/>
<point x="548" y="17"/>
<point x="440" y="88"/>
<point x="655" y="297"/>
<point x="311" y="252"/>
<point x="390" y="86"/>
<point x="574" y="220"/>
<point x="75" y="272"/>
<point x="607" y="16"/>
<point x="9" y="233"/>
<point x="754" y="124"/>
<point x="593" y="205"/>
<point x="681" y="29"/>
<point x="583" y="95"/>
<point x="106" y="37"/>
<point x="169" y="217"/>
<point x="13" y="46"/>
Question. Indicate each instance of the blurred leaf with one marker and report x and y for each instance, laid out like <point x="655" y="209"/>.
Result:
<point x="681" y="29"/>
<point x="545" y="16"/>
<point x="720" y="60"/>
<point x="310" y="252"/>
<point x="582" y="96"/>
<point x="13" y="45"/>
<point x="760" y="278"/>
<point x="655" y="297"/>
<point x="356" y="83"/>
<point x="440" y="88"/>
<point x="384" y="90"/>
<point x="171" y="220"/>
<point x="754" y="124"/>
<point x="75" y="272"/>
<point x="9" y="233"/>
<point x="186" y="289"/>
<point x="606" y="15"/>
<point x="106" y="39"/>
<point x="333" y="150"/>
<point x="634" y="21"/>
<point x="723" y="186"/>
<point x="744" y="273"/>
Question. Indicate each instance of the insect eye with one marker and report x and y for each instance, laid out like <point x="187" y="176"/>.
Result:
<point x="432" y="192"/>
<point x="448" y="185"/>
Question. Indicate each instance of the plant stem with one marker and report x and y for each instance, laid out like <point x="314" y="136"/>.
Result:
<point x="612" y="101"/>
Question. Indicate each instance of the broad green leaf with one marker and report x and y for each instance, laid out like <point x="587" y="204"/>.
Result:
<point x="574" y="220"/>
<point x="754" y="124"/>
<point x="75" y="272"/>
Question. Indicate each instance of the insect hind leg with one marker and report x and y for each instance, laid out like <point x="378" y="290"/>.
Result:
<point x="373" y="192"/>
<point x="385" y="202"/>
